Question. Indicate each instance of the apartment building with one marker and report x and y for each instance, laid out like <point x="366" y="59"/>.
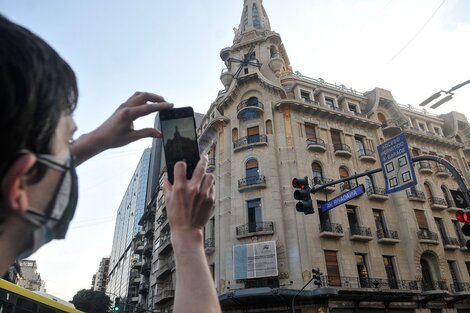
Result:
<point x="30" y="278"/>
<point x="100" y="278"/>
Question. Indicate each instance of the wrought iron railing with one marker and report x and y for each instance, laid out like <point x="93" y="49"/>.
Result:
<point x="437" y="201"/>
<point x="331" y="228"/>
<point x="360" y="231"/>
<point x="211" y="162"/>
<point x="244" y="141"/>
<point x="209" y="243"/>
<point x="450" y="241"/>
<point x="341" y="147"/>
<point x="390" y="123"/>
<point x="424" y="165"/>
<point x="366" y="153"/>
<point x="425" y="234"/>
<point x="161" y="219"/>
<point x="316" y="142"/>
<point x="434" y="285"/>
<point x="376" y="191"/>
<point x="415" y="194"/>
<point x="255" y="227"/>
<point x="441" y="169"/>
<point x="250" y="104"/>
<point x="321" y="180"/>
<point x="251" y="180"/>
<point x="460" y="287"/>
<point x="387" y="234"/>
<point x="373" y="283"/>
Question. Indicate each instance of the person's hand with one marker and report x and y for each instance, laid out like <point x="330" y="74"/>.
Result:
<point x="189" y="203"/>
<point x="118" y="130"/>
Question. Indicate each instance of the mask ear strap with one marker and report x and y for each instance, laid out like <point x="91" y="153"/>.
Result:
<point x="35" y="217"/>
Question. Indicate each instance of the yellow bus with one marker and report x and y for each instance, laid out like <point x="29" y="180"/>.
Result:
<point x="14" y="299"/>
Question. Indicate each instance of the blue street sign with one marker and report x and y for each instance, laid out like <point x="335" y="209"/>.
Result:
<point x="342" y="198"/>
<point x="397" y="165"/>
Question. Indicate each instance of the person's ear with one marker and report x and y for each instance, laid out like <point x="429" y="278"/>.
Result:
<point x="13" y="187"/>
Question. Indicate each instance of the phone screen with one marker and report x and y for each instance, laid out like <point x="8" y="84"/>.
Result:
<point x="179" y="139"/>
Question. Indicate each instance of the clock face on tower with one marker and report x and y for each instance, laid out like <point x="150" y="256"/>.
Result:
<point x="249" y="59"/>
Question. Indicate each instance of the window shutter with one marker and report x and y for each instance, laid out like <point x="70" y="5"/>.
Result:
<point x="421" y="219"/>
<point x="252" y="131"/>
<point x="310" y="131"/>
<point x="332" y="269"/>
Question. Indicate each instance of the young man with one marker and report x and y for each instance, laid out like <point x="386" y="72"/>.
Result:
<point x="38" y="182"/>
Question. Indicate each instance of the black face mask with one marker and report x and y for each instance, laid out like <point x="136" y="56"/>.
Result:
<point x="60" y="209"/>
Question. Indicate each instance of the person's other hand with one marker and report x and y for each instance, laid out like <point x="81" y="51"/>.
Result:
<point x="189" y="202"/>
<point x="118" y="130"/>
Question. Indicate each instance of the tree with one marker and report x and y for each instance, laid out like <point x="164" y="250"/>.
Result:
<point x="92" y="301"/>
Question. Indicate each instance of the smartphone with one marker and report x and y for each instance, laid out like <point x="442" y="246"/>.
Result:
<point x="178" y="128"/>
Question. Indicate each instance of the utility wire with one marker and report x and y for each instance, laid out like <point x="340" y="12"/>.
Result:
<point x="419" y="31"/>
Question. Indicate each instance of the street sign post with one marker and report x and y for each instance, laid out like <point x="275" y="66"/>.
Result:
<point x="459" y="199"/>
<point x="342" y="198"/>
<point x="397" y="165"/>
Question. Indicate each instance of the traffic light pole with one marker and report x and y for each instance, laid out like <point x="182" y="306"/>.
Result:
<point x="455" y="174"/>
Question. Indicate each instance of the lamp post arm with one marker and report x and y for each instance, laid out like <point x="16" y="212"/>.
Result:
<point x="293" y="298"/>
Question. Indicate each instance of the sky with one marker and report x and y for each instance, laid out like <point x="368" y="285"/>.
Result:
<point x="413" y="48"/>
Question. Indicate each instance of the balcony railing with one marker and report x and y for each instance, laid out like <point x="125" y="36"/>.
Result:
<point x="387" y="234"/>
<point x="348" y="185"/>
<point x="425" y="234"/>
<point x="163" y="295"/>
<point x="144" y="288"/>
<point x="255" y="228"/>
<point x="450" y="242"/>
<point x="367" y="155"/>
<point x="390" y="123"/>
<point x="434" y="285"/>
<point x="360" y="232"/>
<point x="424" y="167"/>
<point x="316" y="144"/>
<point x="250" y="104"/>
<point x="333" y="228"/>
<point x="376" y="193"/>
<point x="209" y="245"/>
<point x="318" y="181"/>
<point x="416" y="195"/>
<point x="249" y="141"/>
<point x="442" y="171"/>
<point x="252" y="181"/>
<point x="437" y="203"/>
<point x="460" y="287"/>
<point x="342" y="150"/>
<point x="372" y="283"/>
<point x="165" y="245"/>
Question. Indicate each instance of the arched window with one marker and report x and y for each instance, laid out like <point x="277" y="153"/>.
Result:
<point x="234" y="134"/>
<point x="317" y="173"/>
<point x="382" y="119"/>
<point x="428" y="190"/>
<point x="252" y="101"/>
<point x="273" y="51"/>
<point x="251" y="168"/>
<point x="269" y="127"/>
<point x="256" y="19"/>
<point x="447" y="196"/>
<point x="343" y="172"/>
<point x="429" y="271"/>
<point x="457" y="137"/>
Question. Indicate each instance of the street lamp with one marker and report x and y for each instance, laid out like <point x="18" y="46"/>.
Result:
<point x="449" y="94"/>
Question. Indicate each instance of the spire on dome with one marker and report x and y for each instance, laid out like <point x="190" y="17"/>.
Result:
<point x="254" y="18"/>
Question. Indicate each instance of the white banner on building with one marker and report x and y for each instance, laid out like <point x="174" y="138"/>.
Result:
<point x="255" y="260"/>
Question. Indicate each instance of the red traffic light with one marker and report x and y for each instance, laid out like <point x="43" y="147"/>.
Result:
<point x="300" y="183"/>
<point x="462" y="216"/>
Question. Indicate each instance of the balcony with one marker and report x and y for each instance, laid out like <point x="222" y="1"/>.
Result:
<point x="424" y="167"/>
<point x="376" y="193"/>
<point x="415" y="195"/>
<point x="433" y="286"/>
<point x="249" y="107"/>
<point x="360" y="233"/>
<point x="165" y="245"/>
<point x="391" y="127"/>
<point x="347" y="185"/>
<point x="319" y="181"/>
<point x="209" y="246"/>
<point x="134" y="278"/>
<point x="136" y="264"/>
<point x="255" y="229"/>
<point x="316" y="145"/>
<point x="442" y="171"/>
<point x="372" y="283"/>
<point x="437" y="204"/>
<point x="139" y="247"/>
<point x="331" y="230"/>
<point x="251" y="182"/>
<point x="366" y="155"/>
<point x="427" y="236"/>
<point x="250" y="142"/>
<point x="211" y="166"/>
<point x="165" y="269"/>
<point x="164" y="295"/>
<point x="450" y="243"/>
<point x="145" y="271"/>
<point x="149" y="233"/>
<point x="133" y="299"/>
<point x="144" y="288"/>
<point x="148" y="248"/>
<point x="342" y="150"/>
<point x="460" y="288"/>
<point x="386" y="236"/>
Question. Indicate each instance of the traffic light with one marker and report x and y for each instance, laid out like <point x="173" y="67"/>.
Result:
<point x="317" y="276"/>
<point x="305" y="204"/>
<point x="464" y="217"/>
<point x="117" y="304"/>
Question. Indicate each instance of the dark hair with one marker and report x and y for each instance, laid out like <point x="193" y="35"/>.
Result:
<point x="36" y="87"/>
